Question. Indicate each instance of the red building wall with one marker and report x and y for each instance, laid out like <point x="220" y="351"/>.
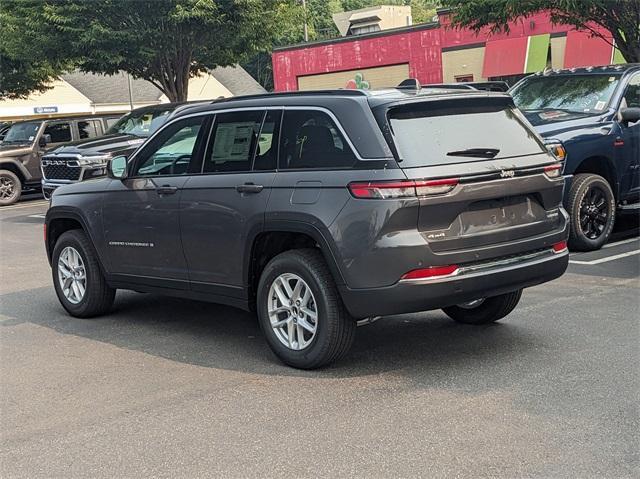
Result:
<point x="421" y="48"/>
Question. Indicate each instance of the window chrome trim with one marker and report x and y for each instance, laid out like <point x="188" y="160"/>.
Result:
<point x="333" y="117"/>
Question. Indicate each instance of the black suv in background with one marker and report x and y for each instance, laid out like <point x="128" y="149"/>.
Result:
<point x="25" y="142"/>
<point x="320" y="209"/>
<point x="83" y="160"/>
<point x="591" y="115"/>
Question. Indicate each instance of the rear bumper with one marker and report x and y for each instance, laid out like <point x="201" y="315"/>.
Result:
<point x="477" y="281"/>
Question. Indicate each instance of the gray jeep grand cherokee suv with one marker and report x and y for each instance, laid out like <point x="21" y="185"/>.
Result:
<point x="319" y="209"/>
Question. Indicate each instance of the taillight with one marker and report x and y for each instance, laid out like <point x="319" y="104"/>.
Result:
<point x="553" y="171"/>
<point x="401" y="188"/>
<point x="45" y="232"/>
<point x="560" y="247"/>
<point x="435" y="187"/>
<point x="383" y="189"/>
<point x="431" y="272"/>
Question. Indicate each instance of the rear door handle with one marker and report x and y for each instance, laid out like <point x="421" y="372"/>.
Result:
<point x="166" y="190"/>
<point x="249" y="188"/>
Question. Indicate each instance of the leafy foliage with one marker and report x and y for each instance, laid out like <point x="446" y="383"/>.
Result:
<point x="29" y="54"/>
<point x="163" y="41"/>
<point x="620" y="17"/>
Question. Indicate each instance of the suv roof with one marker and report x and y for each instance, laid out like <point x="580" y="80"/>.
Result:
<point x="321" y="98"/>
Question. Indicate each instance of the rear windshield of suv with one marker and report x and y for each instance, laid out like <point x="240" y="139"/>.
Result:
<point x="428" y="136"/>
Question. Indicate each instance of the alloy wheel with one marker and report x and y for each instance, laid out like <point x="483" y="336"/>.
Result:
<point x="72" y="275"/>
<point x="7" y="188"/>
<point x="292" y="311"/>
<point x="594" y="213"/>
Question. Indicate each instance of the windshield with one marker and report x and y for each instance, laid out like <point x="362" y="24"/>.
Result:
<point x="588" y="94"/>
<point x="22" y="132"/>
<point x="427" y="136"/>
<point x="140" y="123"/>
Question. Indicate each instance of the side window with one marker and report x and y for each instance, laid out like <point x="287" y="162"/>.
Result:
<point x="172" y="150"/>
<point x="233" y="141"/>
<point x="88" y="129"/>
<point x="60" y="132"/>
<point x="111" y="121"/>
<point x="632" y="95"/>
<point x="310" y="139"/>
<point x="267" y="149"/>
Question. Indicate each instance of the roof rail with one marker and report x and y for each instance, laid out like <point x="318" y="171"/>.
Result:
<point x="342" y="92"/>
<point x="409" y="84"/>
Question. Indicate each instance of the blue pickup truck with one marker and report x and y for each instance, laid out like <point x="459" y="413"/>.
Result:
<point x="591" y="118"/>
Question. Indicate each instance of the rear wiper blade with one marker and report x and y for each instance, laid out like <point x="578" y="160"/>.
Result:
<point x="476" y="152"/>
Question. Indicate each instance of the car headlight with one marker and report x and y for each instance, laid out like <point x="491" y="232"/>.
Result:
<point x="556" y="148"/>
<point x="93" y="160"/>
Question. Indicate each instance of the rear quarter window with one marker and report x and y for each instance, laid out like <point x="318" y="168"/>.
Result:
<point x="425" y="135"/>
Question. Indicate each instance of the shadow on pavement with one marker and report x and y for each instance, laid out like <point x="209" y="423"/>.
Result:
<point x="215" y="336"/>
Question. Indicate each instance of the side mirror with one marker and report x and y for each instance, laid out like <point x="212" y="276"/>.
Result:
<point x="44" y="140"/>
<point x="117" y="168"/>
<point x="629" y="115"/>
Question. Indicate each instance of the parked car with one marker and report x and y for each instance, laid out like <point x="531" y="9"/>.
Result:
<point x="591" y="116"/>
<point x="25" y="142"/>
<point x="317" y="209"/>
<point x="86" y="159"/>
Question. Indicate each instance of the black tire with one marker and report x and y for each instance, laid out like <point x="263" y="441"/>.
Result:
<point x="489" y="311"/>
<point x="98" y="297"/>
<point x="10" y="188"/>
<point x="592" y="208"/>
<point x="335" y="329"/>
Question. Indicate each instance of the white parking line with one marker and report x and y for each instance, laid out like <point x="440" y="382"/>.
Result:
<point x="617" y="243"/>
<point x="607" y="259"/>
<point x="23" y="206"/>
<point x="37" y="216"/>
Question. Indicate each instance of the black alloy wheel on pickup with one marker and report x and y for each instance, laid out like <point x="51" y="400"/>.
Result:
<point x="591" y="206"/>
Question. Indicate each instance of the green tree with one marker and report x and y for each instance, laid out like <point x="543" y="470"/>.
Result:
<point x="29" y="57"/>
<point x="620" y="17"/>
<point x="163" y="41"/>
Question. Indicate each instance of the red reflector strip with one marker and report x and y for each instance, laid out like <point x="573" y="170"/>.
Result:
<point x="560" y="247"/>
<point x="45" y="232"/>
<point x="443" y="182"/>
<point x="618" y="142"/>
<point x="431" y="272"/>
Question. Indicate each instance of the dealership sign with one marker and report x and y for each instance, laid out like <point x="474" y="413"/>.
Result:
<point x="39" y="110"/>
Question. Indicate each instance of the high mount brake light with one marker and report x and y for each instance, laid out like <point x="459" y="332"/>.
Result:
<point x="401" y="189"/>
<point x="553" y="171"/>
<point x="431" y="272"/>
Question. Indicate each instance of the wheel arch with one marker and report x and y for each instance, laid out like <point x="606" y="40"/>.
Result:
<point x="278" y="237"/>
<point x="16" y="167"/>
<point x="59" y="221"/>
<point x="602" y="166"/>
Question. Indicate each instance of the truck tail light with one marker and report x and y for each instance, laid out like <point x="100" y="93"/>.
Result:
<point x="431" y="272"/>
<point x="45" y="232"/>
<point x="553" y="171"/>
<point x="401" y="189"/>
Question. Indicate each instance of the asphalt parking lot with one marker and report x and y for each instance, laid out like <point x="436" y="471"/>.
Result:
<point x="170" y="388"/>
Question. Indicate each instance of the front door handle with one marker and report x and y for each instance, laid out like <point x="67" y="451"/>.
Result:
<point x="166" y="190"/>
<point x="249" y="188"/>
